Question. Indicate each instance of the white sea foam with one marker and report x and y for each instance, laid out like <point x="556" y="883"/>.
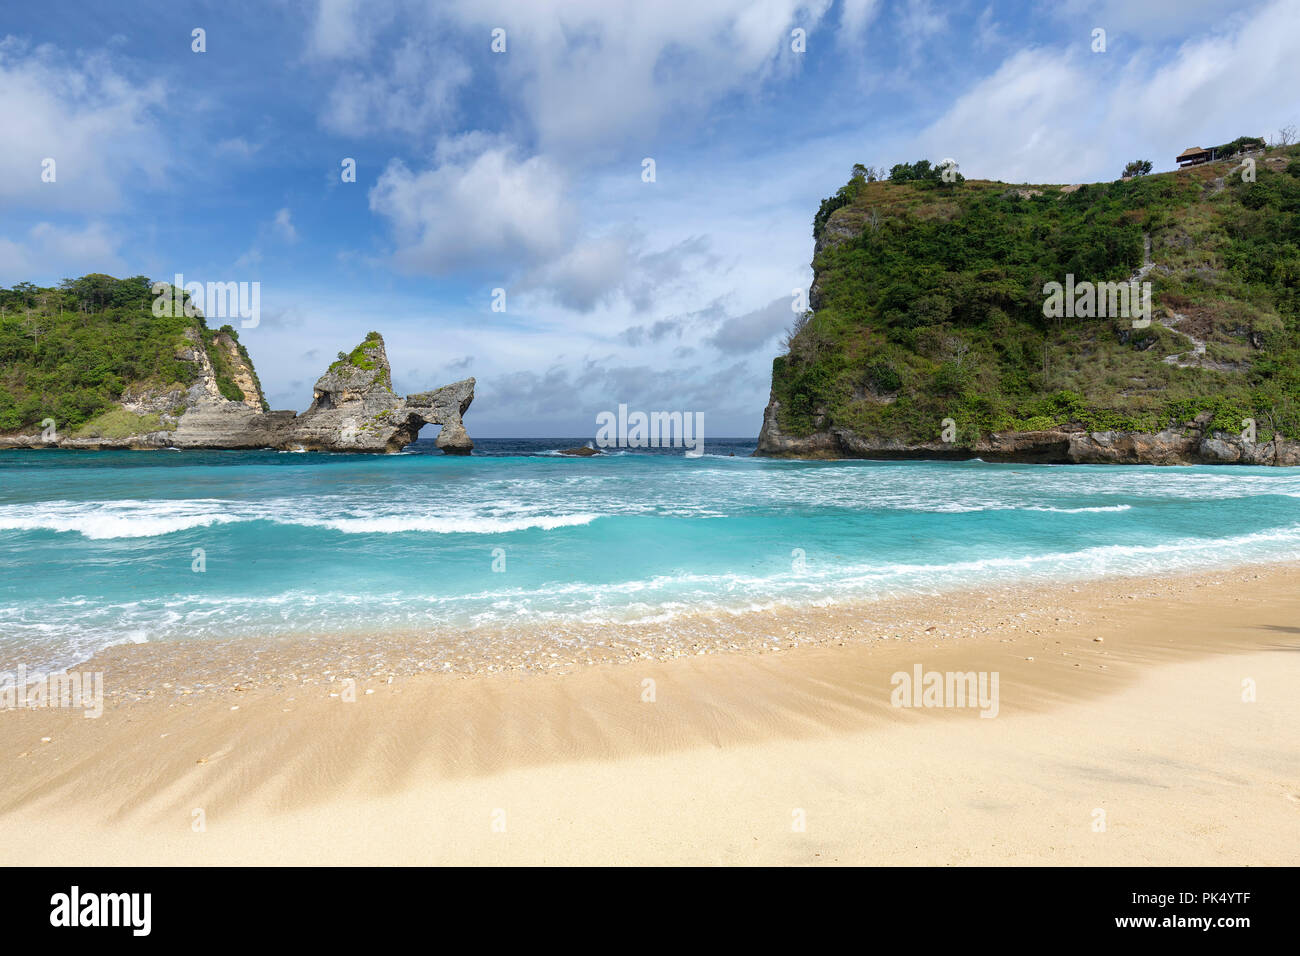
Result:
<point x="136" y="519"/>
<point x="400" y="524"/>
<point x="119" y="519"/>
<point x="1078" y="511"/>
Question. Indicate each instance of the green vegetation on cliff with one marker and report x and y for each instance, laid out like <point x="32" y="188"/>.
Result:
<point x="360" y="357"/>
<point x="71" y="352"/>
<point x="119" y="423"/>
<point x="928" y="304"/>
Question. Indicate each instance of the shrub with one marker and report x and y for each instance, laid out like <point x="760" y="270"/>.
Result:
<point x="883" y="377"/>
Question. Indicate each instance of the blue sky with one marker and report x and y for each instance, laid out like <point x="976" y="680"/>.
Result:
<point x="522" y="170"/>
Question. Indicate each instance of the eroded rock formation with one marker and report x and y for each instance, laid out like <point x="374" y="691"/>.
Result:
<point x="354" y="408"/>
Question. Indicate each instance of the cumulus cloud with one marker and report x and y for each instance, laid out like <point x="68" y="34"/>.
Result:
<point x="491" y="210"/>
<point x="99" y="128"/>
<point x="1047" y="115"/>
<point x="593" y="74"/>
<point x="581" y="81"/>
<point x="589" y="74"/>
<point x="481" y="206"/>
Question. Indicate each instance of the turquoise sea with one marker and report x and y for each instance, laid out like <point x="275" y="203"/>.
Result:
<point x="98" y="548"/>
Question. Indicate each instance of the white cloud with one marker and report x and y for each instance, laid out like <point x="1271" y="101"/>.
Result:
<point x="1023" y="123"/>
<point x="855" y="16"/>
<point x="282" y="226"/>
<point x="413" y="94"/>
<point x="97" y="126"/>
<point x="745" y="333"/>
<point x="589" y="74"/>
<point x="587" y="79"/>
<point x="618" y="266"/>
<point x="342" y="28"/>
<point x="49" y="253"/>
<point x="588" y="274"/>
<point x="1241" y="81"/>
<point x="490" y="210"/>
<point x="1048" y="115"/>
<point x="598" y="74"/>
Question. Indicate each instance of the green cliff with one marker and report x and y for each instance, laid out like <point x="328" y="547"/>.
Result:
<point x="928" y="305"/>
<point x="92" y="355"/>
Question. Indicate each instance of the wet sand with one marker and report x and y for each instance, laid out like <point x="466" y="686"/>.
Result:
<point x="766" y="738"/>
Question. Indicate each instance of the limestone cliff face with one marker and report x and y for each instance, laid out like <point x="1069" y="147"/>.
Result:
<point x="353" y="409"/>
<point x="239" y="370"/>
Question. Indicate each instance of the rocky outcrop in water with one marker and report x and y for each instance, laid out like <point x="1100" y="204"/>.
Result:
<point x="353" y="409"/>
<point x="1192" y="445"/>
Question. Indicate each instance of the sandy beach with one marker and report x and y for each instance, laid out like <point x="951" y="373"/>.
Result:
<point x="1121" y="736"/>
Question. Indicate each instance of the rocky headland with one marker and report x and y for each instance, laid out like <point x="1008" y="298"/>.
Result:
<point x="929" y="333"/>
<point x="353" y="409"/>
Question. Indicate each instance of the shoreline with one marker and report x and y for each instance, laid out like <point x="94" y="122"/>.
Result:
<point x="138" y="671"/>
<point x="1148" y="725"/>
